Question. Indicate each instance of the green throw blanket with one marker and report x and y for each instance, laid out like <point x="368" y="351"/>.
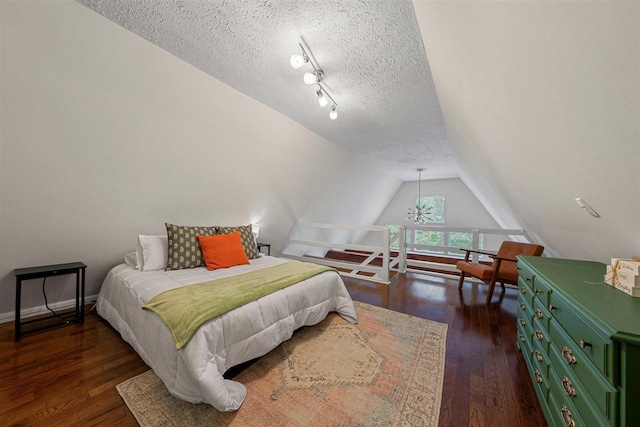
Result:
<point x="185" y="309"/>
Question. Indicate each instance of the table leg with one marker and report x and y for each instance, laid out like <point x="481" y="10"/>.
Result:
<point x="17" y="321"/>
<point x="82" y="304"/>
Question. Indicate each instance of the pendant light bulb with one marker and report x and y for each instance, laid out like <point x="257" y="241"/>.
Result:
<point x="334" y="112"/>
<point x="321" y="98"/>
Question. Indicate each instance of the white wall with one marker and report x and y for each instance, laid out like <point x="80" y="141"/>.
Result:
<point x="462" y="208"/>
<point x="105" y="136"/>
<point x="542" y="105"/>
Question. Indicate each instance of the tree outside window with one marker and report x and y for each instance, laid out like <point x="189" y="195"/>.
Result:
<point x="435" y="204"/>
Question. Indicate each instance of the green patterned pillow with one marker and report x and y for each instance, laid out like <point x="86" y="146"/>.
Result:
<point x="248" y="241"/>
<point x="184" y="249"/>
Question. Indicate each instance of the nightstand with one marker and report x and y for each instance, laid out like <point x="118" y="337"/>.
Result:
<point x="42" y="272"/>
<point x="264" y="245"/>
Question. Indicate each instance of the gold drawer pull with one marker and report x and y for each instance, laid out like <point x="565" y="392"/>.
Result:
<point x="539" y="335"/>
<point x="521" y="338"/>
<point x="538" y="355"/>
<point x="566" y="417"/>
<point x="538" y="376"/>
<point x="568" y="356"/>
<point x="522" y="306"/>
<point x="551" y="307"/>
<point x="537" y="291"/>
<point x="567" y="387"/>
<point x="539" y="314"/>
<point x="523" y="290"/>
<point x="523" y="322"/>
<point x="584" y="344"/>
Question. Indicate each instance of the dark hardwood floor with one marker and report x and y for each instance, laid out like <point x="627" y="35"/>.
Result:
<point x="67" y="376"/>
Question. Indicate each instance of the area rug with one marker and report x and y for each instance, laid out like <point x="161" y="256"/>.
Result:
<point x="386" y="370"/>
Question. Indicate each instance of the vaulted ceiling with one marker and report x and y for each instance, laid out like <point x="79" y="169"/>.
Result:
<point x="371" y="52"/>
<point x="541" y="100"/>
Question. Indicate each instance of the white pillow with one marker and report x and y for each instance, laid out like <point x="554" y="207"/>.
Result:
<point x="131" y="259"/>
<point x="152" y="252"/>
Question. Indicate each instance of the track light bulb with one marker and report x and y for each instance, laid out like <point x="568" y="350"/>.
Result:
<point x="321" y="98"/>
<point x="310" y="79"/>
<point x="314" y="77"/>
<point x="334" y="112"/>
<point x="298" y="61"/>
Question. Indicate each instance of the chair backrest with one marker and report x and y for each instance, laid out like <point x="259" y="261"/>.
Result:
<point x="510" y="250"/>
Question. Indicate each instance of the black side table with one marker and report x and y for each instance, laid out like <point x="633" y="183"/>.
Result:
<point x="264" y="245"/>
<point x="41" y="323"/>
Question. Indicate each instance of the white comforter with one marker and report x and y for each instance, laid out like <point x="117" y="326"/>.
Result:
<point x="194" y="373"/>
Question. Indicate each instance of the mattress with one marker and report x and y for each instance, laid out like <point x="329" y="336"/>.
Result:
<point x="195" y="372"/>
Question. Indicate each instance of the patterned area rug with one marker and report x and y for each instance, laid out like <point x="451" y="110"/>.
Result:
<point x="386" y="370"/>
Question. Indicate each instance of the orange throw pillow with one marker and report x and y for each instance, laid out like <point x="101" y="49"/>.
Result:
<point x="222" y="250"/>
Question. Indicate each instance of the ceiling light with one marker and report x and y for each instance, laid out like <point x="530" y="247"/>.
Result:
<point x="419" y="213"/>
<point x="315" y="77"/>
<point x="298" y="61"/>
<point x="321" y="98"/>
<point x="334" y="112"/>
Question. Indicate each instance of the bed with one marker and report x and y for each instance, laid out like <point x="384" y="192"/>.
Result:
<point x="195" y="372"/>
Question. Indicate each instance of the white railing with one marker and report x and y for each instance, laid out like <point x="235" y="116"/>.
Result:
<point x="380" y="272"/>
<point x="481" y="239"/>
<point x="318" y="236"/>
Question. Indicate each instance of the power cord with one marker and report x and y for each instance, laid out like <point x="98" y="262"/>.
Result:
<point x="46" y="303"/>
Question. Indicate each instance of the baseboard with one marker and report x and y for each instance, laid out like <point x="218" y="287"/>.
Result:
<point x="35" y="311"/>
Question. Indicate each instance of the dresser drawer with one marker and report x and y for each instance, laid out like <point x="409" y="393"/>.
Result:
<point x="540" y="336"/>
<point x="540" y="376"/>
<point x="524" y="341"/>
<point x="581" y="405"/>
<point x="598" y="349"/>
<point x="526" y="322"/>
<point x="584" y="380"/>
<point x="525" y="273"/>
<point x="539" y="353"/>
<point x="525" y="305"/>
<point x="563" y="413"/>
<point x="542" y="291"/>
<point x="525" y="291"/>
<point x="541" y="314"/>
<point x="570" y="355"/>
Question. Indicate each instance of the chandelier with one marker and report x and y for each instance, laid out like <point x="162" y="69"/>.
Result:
<point x="420" y="212"/>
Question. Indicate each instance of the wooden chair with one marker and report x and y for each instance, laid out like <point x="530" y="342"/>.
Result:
<point x="503" y="268"/>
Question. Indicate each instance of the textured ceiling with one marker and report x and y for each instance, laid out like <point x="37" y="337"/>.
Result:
<point x="372" y="54"/>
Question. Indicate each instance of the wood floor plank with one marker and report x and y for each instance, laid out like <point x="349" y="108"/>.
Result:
<point x="67" y="376"/>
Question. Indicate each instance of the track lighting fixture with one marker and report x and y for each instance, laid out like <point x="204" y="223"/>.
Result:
<point x="321" y="98"/>
<point x="334" y="112"/>
<point x="298" y="61"/>
<point x="315" y="77"/>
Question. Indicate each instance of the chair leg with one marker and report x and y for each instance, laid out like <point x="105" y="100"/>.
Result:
<point x="492" y="285"/>
<point x="461" y="282"/>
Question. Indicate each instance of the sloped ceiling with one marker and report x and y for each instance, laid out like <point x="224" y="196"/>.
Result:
<point x="371" y="52"/>
<point x="542" y="105"/>
<point x="540" y="99"/>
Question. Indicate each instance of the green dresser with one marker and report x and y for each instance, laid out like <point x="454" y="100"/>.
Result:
<point x="581" y="341"/>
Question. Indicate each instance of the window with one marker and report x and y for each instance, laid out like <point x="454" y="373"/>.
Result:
<point x="430" y="238"/>
<point x="464" y="240"/>
<point x="393" y="231"/>
<point x="436" y="206"/>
